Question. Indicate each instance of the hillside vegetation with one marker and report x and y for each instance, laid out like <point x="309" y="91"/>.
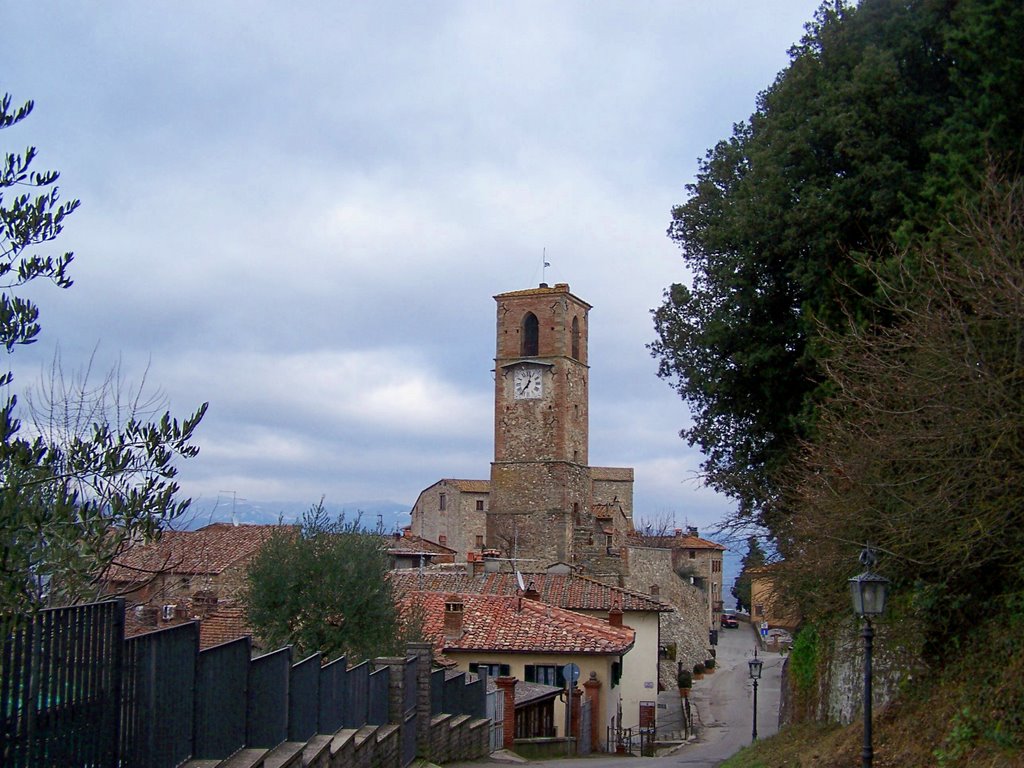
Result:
<point x="968" y="713"/>
<point x="851" y="346"/>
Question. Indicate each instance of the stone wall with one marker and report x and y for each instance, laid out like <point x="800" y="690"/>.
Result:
<point x="687" y="625"/>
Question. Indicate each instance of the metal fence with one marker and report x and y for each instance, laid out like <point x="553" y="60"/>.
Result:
<point x="74" y="692"/>
<point x="61" y="687"/>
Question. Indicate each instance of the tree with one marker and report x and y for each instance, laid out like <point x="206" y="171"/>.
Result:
<point x="920" y="447"/>
<point x="882" y="121"/>
<point x="67" y="506"/>
<point x="324" y="588"/>
<point x="741" y="589"/>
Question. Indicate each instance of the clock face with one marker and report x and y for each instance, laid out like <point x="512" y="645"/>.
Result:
<point x="528" y="383"/>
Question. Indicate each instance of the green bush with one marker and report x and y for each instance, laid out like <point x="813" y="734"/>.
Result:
<point x="698" y="668"/>
<point x="803" y="658"/>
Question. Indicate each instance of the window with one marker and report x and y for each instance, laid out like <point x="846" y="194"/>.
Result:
<point x="442" y="540"/>
<point x="548" y="674"/>
<point x="442" y="502"/>
<point x="693" y="555"/>
<point x="531" y="335"/>
<point x="616" y="673"/>
<point x="759" y="610"/>
<point x="576" y="338"/>
<point x="479" y="505"/>
<point x="716" y="566"/>
<point x="492" y="670"/>
<point x="480" y="541"/>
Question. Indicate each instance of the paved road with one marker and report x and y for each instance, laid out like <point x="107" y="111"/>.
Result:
<point x="723" y="705"/>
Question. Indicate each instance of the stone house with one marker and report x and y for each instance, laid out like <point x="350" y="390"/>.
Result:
<point x="189" y="575"/>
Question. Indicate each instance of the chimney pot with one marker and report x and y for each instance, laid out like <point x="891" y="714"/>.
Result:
<point x="615" y="616"/>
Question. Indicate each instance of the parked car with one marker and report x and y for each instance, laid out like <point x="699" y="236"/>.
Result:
<point x="729" y="621"/>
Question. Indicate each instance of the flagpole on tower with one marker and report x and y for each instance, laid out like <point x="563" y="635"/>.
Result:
<point x="546" y="263"/>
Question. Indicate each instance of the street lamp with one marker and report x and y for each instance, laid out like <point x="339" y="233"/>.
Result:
<point x="755" y="674"/>
<point x="869" y="591"/>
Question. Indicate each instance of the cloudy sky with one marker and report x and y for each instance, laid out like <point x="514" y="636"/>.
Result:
<point x="300" y="212"/>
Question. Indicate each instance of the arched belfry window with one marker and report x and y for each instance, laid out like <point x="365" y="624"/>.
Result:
<point x="531" y="335"/>
<point x="576" y="337"/>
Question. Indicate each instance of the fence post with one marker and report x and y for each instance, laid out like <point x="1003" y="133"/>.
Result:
<point x="396" y="685"/>
<point x="423" y="651"/>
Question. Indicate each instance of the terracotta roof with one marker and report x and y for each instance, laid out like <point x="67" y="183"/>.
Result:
<point x="508" y="624"/>
<point x="622" y="474"/>
<point x="472" y="486"/>
<point x="222" y="625"/>
<point x="416" y="545"/>
<point x="678" y="542"/>
<point x="209" y="550"/>
<point x="569" y="591"/>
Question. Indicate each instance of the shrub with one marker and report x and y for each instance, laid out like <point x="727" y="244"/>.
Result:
<point x="684" y="679"/>
<point x="698" y="668"/>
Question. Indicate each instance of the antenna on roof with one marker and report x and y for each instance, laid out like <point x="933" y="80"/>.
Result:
<point x="234" y="498"/>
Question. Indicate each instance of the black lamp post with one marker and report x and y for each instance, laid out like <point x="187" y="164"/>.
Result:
<point x="755" y="674"/>
<point x="869" y="591"/>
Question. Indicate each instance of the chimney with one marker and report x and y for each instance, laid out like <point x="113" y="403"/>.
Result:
<point x="615" y="616"/>
<point x="491" y="562"/>
<point x="531" y="593"/>
<point x="692" y="531"/>
<point x="453" y="611"/>
<point x="679" y="532"/>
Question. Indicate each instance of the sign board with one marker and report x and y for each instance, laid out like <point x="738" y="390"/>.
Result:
<point x="764" y="631"/>
<point x="647" y="716"/>
<point x="571" y="672"/>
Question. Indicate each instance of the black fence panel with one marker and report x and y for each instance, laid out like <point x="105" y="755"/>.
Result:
<point x="222" y="677"/>
<point x="304" y="699"/>
<point x="409" y="699"/>
<point x="357" y="702"/>
<point x="409" y="683"/>
<point x="377" y="711"/>
<point x="158" y="706"/>
<point x="267" y="700"/>
<point x="333" y="695"/>
<point x="61" y="687"/>
<point x="474" y="698"/>
<point x="437" y="692"/>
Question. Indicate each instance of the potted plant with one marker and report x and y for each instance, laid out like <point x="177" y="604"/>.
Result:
<point x="709" y="666"/>
<point x="698" y="671"/>
<point x="685" y="682"/>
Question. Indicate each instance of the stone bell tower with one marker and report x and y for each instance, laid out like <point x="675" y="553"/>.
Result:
<point x="540" y="479"/>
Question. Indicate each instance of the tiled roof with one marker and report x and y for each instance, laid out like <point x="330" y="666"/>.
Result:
<point x="570" y="591"/>
<point x="527" y="693"/>
<point x="508" y="624"/>
<point x="416" y="545"/>
<point x="678" y="542"/>
<point x="222" y="625"/>
<point x="472" y="486"/>
<point x="209" y="550"/>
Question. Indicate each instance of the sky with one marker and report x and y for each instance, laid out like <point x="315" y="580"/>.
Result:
<point x="300" y="213"/>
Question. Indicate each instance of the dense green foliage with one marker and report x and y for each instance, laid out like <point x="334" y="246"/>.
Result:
<point x="324" y="588"/>
<point x="881" y="124"/>
<point x="67" y="506"/>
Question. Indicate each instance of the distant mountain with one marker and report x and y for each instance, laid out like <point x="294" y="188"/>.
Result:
<point x="391" y="515"/>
